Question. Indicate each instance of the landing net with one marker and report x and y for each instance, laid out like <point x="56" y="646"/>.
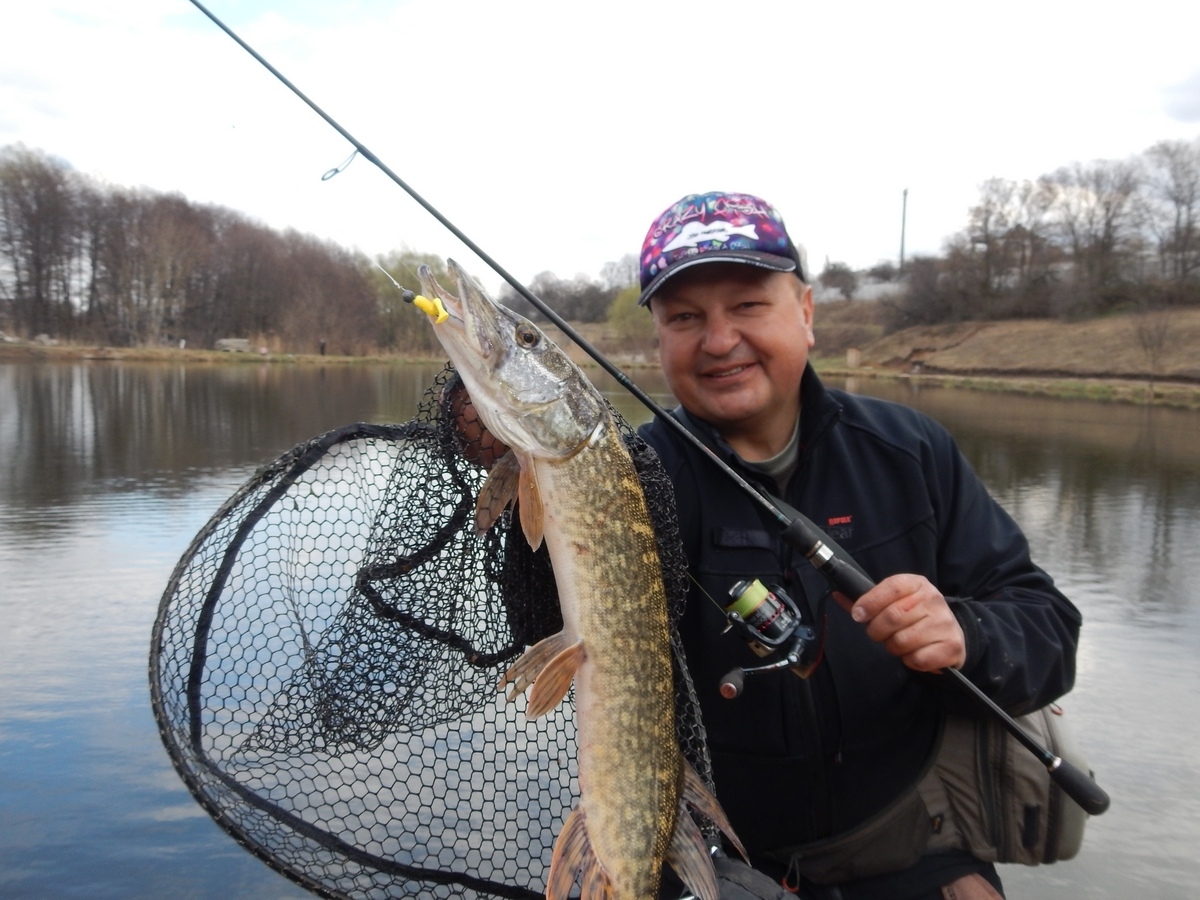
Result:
<point x="325" y="658"/>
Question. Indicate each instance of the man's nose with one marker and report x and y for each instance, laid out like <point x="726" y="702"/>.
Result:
<point x="720" y="336"/>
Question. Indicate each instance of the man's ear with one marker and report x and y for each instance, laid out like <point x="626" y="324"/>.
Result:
<point x="806" y="304"/>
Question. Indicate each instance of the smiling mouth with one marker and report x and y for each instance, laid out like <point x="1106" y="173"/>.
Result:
<point x="727" y="373"/>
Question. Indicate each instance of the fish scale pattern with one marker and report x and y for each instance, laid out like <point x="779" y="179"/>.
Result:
<point x="325" y="660"/>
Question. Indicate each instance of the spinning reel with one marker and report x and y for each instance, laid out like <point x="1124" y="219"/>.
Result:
<point x="771" y="623"/>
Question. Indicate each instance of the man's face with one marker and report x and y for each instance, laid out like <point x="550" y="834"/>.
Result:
<point x="733" y="341"/>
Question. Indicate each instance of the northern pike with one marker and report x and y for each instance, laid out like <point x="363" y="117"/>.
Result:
<point x="577" y="490"/>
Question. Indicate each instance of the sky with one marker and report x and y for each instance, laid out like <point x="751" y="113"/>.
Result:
<point x="553" y="133"/>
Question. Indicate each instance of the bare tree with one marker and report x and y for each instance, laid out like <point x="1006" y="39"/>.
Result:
<point x="139" y="267"/>
<point x="578" y="300"/>
<point x="1028" y="252"/>
<point x="930" y="296"/>
<point x="883" y="271"/>
<point x="145" y="252"/>
<point x="331" y="298"/>
<point x="622" y="273"/>
<point x="1171" y="207"/>
<point x="1093" y="208"/>
<point x="1152" y="327"/>
<point x="988" y="224"/>
<point x="39" y="230"/>
<point x="1001" y="264"/>
<point x="840" y="277"/>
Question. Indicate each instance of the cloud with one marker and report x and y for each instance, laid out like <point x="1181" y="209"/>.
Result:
<point x="1183" y="99"/>
<point x="552" y="133"/>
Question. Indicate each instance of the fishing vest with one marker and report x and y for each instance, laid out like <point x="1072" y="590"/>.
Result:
<point x="982" y="792"/>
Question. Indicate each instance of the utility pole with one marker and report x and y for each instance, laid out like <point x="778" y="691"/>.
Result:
<point x="903" y="221"/>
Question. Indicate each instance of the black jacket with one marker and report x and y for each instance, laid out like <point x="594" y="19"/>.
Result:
<point x="799" y="760"/>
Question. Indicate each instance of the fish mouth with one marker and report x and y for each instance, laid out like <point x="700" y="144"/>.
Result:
<point x="470" y="313"/>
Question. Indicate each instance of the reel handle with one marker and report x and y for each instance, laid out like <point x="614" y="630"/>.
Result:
<point x="733" y="683"/>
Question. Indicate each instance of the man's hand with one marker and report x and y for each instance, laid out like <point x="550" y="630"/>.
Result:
<point x="912" y="620"/>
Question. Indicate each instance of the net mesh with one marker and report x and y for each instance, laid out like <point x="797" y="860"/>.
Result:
<point x="325" y="660"/>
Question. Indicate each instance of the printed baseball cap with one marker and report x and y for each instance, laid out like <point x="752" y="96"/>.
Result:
<point x="716" y="227"/>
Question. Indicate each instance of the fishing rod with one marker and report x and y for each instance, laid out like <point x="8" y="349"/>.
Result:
<point x="798" y="531"/>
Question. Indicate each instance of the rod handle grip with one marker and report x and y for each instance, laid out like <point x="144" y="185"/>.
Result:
<point x="827" y="557"/>
<point x="847" y="579"/>
<point x="1080" y="787"/>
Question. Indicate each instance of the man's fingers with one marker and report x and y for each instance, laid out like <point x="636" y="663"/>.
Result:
<point x="886" y="593"/>
<point x="910" y="618"/>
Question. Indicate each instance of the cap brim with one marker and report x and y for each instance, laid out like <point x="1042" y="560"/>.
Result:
<point x="768" y="261"/>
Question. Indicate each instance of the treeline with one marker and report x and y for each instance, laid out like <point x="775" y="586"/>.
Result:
<point x="1081" y="241"/>
<point x="83" y="261"/>
<point x="131" y="267"/>
<point x="579" y="299"/>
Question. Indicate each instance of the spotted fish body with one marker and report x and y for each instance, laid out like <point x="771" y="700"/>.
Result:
<point x="578" y="491"/>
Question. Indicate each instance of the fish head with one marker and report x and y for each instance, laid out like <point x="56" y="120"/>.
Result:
<point x="525" y="388"/>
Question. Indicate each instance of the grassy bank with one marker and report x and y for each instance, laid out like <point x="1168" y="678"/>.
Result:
<point x="30" y="351"/>
<point x="1109" y="390"/>
<point x="1101" y="359"/>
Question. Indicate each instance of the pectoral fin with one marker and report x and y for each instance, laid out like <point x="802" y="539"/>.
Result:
<point x="499" y="490"/>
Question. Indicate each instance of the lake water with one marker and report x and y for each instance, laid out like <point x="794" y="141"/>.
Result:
<point x="107" y="470"/>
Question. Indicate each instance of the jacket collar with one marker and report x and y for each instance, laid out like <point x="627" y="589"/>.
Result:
<point x="818" y="409"/>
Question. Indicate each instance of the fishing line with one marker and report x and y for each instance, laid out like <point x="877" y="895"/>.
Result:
<point x="404" y="292"/>
<point x="798" y="531"/>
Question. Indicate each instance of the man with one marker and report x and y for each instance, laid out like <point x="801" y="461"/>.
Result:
<point x="801" y="764"/>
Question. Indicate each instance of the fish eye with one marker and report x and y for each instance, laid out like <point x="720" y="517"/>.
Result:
<point x="527" y="336"/>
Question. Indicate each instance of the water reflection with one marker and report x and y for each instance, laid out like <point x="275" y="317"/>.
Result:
<point x="1097" y="487"/>
<point x="68" y="428"/>
<point x="108" y="470"/>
